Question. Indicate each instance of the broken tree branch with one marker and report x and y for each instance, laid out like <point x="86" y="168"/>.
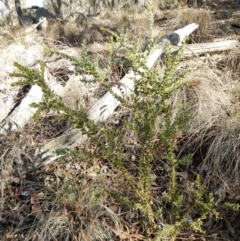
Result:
<point x="196" y="49"/>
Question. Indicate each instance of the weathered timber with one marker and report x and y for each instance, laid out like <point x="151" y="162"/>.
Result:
<point x="105" y="106"/>
<point x="100" y="110"/>
<point x="7" y="106"/>
<point x="196" y="49"/>
<point x="16" y="123"/>
<point x="108" y="103"/>
<point x="21" y="115"/>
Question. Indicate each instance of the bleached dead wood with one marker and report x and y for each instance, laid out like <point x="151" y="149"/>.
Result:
<point x="196" y="49"/>
<point x="18" y="117"/>
<point x="21" y="51"/>
<point x="52" y="83"/>
<point x="108" y="103"/>
<point x="7" y="104"/>
<point x="21" y="115"/>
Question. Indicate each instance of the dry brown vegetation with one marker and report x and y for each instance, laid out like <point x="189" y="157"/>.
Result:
<point x="66" y="199"/>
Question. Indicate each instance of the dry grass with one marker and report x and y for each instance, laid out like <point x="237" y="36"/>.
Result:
<point x="67" y="200"/>
<point x="207" y="97"/>
<point x="213" y="97"/>
<point x="63" y="201"/>
<point x="223" y="155"/>
<point x="140" y="25"/>
<point x="200" y="16"/>
<point x="78" y="207"/>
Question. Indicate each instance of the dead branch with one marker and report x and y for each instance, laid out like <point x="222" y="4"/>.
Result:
<point x="223" y="45"/>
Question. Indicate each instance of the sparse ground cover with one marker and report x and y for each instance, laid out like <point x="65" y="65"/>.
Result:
<point x="86" y="194"/>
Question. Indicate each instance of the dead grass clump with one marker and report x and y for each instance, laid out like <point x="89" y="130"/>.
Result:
<point x="163" y="4"/>
<point x="140" y="25"/>
<point x="233" y="63"/>
<point x="229" y="64"/>
<point x="71" y="33"/>
<point x="211" y="108"/>
<point x="222" y="162"/>
<point x="223" y="159"/>
<point x="215" y="123"/>
<point x="118" y="19"/>
<point x="199" y="16"/>
<point x="92" y="35"/>
<point x="206" y="97"/>
<point x="54" y="31"/>
<point x="78" y="93"/>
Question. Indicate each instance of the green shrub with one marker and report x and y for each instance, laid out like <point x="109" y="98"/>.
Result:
<point x="152" y="121"/>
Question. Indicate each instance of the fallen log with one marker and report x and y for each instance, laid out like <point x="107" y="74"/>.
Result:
<point x="196" y="49"/>
<point x="7" y="105"/>
<point x="108" y="103"/>
<point x="20" y="116"/>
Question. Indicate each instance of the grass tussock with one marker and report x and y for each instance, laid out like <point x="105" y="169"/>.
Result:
<point x="223" y="154"/>
<point x="208" y="100"/>
<point x="200" y="16"/>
